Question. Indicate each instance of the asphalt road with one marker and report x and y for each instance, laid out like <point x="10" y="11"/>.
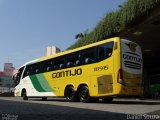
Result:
<point x="14" y="108"/>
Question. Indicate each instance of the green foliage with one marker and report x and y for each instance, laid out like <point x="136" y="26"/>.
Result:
<point x="116" y="22"/>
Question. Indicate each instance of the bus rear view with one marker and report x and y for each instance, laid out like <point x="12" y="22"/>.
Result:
<point x="130" y="72"/>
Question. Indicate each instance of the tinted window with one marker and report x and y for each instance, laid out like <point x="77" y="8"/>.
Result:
<point x="105" y="50"/>
<point x="28" y="70"/>
<point x="36" y="68"/>
<point x="83" y="57"/>
<point x="59" y="63"/>
<point x="89" y="55"/>
<point x="73" y="59"/>
<point x="46" y="66"/>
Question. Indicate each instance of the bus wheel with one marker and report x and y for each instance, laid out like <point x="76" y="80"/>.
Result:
<point x="107" y="100"/>
<point x="24" y="95"/>
<point x="70" y="94"/>
<point x="84" y="94"/>
<point x="44" y="98"/>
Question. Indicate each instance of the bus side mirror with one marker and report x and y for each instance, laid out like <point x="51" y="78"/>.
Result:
<point x="14" y="77"/>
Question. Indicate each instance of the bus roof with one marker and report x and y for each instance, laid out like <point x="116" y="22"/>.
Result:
<point x="70" y="51"/>
<point x="77" y="49"/>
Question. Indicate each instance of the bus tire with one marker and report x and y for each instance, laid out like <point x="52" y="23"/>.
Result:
<point x="24" y="95"/>
<point x="70" y="94"/>
<point x="83" y="94"/>
<point x="107" y="100"/>
<point x="44" y="98"/>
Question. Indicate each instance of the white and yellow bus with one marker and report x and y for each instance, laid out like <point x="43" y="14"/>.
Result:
<point x="106" y="69"/>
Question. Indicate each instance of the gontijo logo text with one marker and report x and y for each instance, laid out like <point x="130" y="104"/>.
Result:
<point x="132" y="58"/>
<point x="67" y="73"/>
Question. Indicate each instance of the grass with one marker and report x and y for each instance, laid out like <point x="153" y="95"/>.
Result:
<point x="130" y="14"/>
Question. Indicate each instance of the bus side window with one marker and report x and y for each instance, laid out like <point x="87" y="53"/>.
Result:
<point x="28" y="71"/>
<point x="101" y="52"/>
<point x="89" y="55"/>
<point x="61" y="66"/>
<point x="59" y="63"/>
<point x="108" y="52"/>
<point x="77" y="62"/>
<point x="36" y="68"/>
<point x="105" y="50"/>
<point x="88" y="60"/>
<point x="70" y="64"/>
<point x="73" y="59"/>
<point x="55" y="67"/>
<point x="46" y="66"/>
